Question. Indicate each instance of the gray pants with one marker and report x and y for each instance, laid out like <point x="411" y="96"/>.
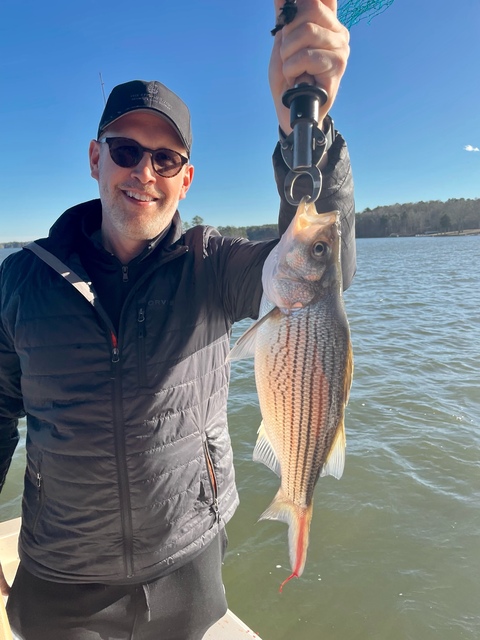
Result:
<point x="180" y="606"/>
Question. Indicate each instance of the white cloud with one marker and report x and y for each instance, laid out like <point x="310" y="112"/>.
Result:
<point x="469" y="147"/>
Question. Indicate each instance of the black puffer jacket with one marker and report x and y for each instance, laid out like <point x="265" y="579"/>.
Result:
<point x="129" y="463"/>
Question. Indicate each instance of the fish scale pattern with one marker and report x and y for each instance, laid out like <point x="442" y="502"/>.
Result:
<point x="302" y="391"/>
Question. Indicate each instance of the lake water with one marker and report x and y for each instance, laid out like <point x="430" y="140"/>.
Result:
<point x="395" y="544"/>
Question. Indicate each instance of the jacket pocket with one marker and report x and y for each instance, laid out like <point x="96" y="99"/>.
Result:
<point x="40" y="495"/>
<point x="213" y="482"/>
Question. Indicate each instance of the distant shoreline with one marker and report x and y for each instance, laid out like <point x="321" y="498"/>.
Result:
<point x="436" y="234"/>
<point x="467" y="232"/>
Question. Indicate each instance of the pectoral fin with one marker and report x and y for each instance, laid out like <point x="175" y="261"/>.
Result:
<point x="245" y="345"/>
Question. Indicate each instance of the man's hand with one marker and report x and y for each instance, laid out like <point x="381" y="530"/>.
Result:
<point x="4" y="586"/>
<point x="314" y="43"/>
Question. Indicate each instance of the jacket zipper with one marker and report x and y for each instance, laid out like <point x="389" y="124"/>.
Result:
<point x="119" y="426"/>
<point x="40" y="493"/>
<point x="141" y="353"/>
<point x="119" y="429"/>
<point x="213" y="483"/>
<point x="120" y="453"/>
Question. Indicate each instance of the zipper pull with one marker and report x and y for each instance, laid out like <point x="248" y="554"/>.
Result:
<point x="216" y="510"/>
<point x="141" y="322"/>
<point x="39" y="480"/>
<point x="115" y="349"/>
<point x="125" y="274"/>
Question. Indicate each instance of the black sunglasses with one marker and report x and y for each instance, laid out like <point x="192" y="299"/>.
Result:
<point x="128" y="153"/>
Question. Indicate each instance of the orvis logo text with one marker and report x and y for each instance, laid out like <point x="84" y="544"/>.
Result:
<point x="160" y="303"/>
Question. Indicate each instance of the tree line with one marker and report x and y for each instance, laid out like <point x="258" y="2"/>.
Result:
<point x="420" y="218"/>
<point x="13" y="245"/>
<point x="262" y="232"/>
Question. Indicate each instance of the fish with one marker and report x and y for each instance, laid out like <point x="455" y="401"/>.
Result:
<point x="303" y="369"/>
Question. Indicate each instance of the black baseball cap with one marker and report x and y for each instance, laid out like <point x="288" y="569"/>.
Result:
<point x="153" y="96"/>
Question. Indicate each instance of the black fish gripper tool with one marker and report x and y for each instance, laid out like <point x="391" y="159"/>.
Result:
<point x="303" y="149"/>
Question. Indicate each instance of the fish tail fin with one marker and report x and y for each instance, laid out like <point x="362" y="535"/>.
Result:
<point x="298" y="520"/>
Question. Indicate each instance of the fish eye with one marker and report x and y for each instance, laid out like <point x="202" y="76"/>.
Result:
<point x="318" y="249"/>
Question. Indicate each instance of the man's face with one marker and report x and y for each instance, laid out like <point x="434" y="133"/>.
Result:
<point x="137" y="203"/>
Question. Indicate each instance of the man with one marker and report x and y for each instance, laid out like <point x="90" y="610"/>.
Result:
<point x="114" y="335"/>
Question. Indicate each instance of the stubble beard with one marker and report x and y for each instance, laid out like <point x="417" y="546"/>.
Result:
<point x="141" y="226"/>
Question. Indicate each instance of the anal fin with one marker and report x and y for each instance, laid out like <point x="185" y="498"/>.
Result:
<point x="265" y="453"/>
<point x="335" y="462"/>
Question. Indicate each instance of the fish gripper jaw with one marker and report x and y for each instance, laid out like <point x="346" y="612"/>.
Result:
<point x="303" y="149"/>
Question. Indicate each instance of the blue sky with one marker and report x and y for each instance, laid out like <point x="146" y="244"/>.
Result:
<point x="408" y="105"/>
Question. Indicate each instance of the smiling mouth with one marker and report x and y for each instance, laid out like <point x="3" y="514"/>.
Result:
<point x="140" y="197"/>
